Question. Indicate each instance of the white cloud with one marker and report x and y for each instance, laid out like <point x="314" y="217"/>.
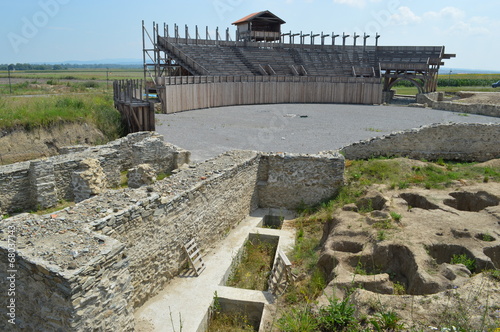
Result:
<point x="355" y="3"/>
<point x="467" y="29"/>
<point x="445" y="13"/>
<point x="404" y="16"/>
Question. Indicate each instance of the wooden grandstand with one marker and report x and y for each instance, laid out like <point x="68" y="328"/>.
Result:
<point x="262" y="66"/>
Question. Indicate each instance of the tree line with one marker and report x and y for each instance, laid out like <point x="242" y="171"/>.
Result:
<point x="29" y="66"/>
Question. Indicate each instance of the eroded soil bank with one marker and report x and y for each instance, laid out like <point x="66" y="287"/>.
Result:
<point x="21" y="145"/>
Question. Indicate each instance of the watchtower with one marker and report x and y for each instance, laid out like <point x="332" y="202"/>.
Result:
<point x="261" y="26"/>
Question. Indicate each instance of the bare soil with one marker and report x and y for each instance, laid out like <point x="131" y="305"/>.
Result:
<point x="22" y="145"/>
<point x="490" y="98"/>
<point x="402" y="255"/>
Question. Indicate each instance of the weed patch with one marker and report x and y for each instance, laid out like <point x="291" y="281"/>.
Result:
<point x="253" y="270"/>
<point x="469" y="263"/>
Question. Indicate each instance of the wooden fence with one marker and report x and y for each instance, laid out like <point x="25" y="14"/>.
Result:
<point x="182" y="93"/>
<point x="136" y="111"/>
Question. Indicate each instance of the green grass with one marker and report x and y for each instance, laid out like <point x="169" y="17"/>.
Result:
<point x="469" y="263"/>
<point x="226" y="322"/>
<point x="253" y="270"/>
<point x="439" y="175"/>
<point x="223" y="322"/>
<point x="75" y="74"/>
<point x="454" y="83"/>
<point x="60" y="206"/>
<point x="34" y="112"/>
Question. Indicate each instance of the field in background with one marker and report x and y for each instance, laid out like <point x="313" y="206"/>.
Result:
<point x="33" y="82"/>
<point x="76" y="74"/>
<point x="46" y="97"/>
<point x="86" y="95"/>
<point x="454" y="83"/>
<point x="88" y="80"/>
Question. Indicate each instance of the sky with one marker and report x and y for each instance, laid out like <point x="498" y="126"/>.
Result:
<point x="87" y="30"/>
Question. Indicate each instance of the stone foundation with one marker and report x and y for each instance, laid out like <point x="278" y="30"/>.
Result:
<point x="436" y="101"/>
<point x="42" y="183"/>
<point x="87" y="267"/>
<point x="454" y="141"/>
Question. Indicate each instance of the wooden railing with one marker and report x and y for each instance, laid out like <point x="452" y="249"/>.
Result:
<point x="136" y="111"/>
<point x="188" y="61"/>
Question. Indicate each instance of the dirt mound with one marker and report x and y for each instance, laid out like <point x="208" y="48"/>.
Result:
<point x="491" y="98"/>
<point x="425" y="254"/>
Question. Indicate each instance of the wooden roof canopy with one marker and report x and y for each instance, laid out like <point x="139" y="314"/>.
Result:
<point x="264" y="16"/>
<point x="260" y="26"/>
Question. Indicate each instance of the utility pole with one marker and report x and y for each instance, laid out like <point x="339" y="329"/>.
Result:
<point x="107" y="79"/>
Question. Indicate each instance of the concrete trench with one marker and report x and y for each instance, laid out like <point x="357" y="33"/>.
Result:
<point x="186" y="301"/>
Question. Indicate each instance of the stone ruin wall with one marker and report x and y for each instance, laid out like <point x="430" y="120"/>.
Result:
<point x="436" y="101"/>
<point x="42" y="183"/>
<point x="130" y="240"/>
<point x="50" y="299"/>
<point x="453" y="141"/>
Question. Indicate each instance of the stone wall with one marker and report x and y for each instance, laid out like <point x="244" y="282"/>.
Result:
<point x="435" y="100"/>
<point x="156" y="228"/>
<point x="46" y="297"/>
<point x="42" y="183"/>
<point x="453" y="141"/>
<point x="289" y="181"/>
<point x="88" y="266"/>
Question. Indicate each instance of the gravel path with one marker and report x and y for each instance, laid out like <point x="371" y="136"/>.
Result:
<point x="299" y="128"/>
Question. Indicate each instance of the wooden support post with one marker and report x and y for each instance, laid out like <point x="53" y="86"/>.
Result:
<point x="323" y="38"/>
<point x="365" y="37"/>
<point x="344" y="37"/>
<point x="303" y="37"/>
<point x="333" y="38"/>
<point x="313" y="36"/>
<point x="355" y="36"/>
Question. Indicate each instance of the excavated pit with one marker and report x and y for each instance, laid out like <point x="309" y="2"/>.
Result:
<point x="235" y="277"/>
<point x="444" y="253"/>
<point x="494" y="254"/>
<point x="347" y="246"/>
<point x="272" y="221"/>
<point x="471" y="201"/>
<point x="399" y="263"/>
<point x="418" y="201"/>
<point x="243" y="312"/>
<point x="485" y="237"/>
